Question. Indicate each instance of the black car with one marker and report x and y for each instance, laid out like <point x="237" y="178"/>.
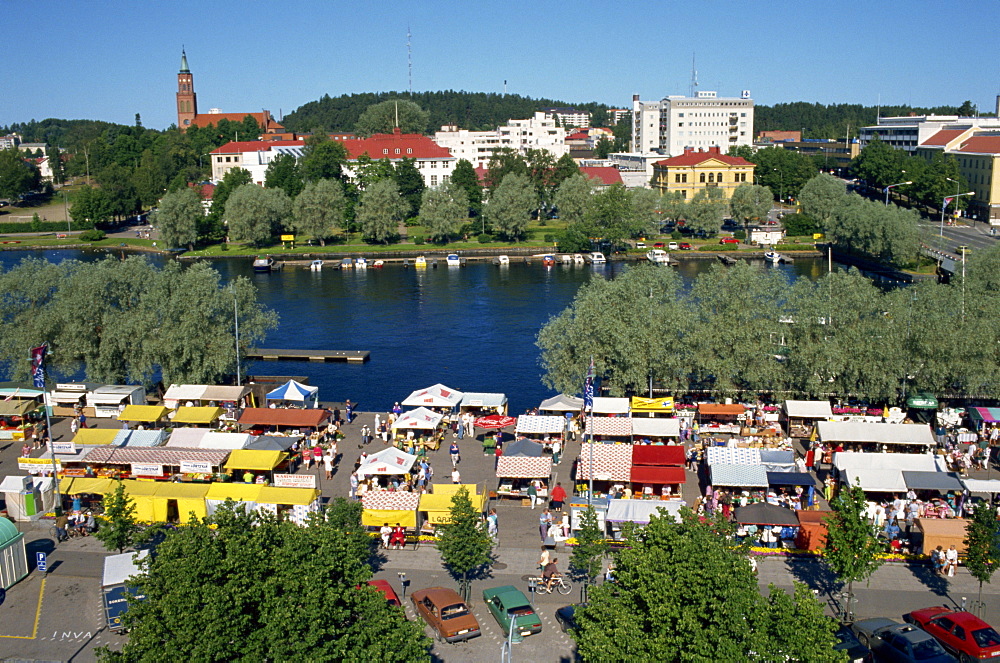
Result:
<point x="899" y="643"/>
<point x="566" y="616"/>
<point x="856" y="652"/>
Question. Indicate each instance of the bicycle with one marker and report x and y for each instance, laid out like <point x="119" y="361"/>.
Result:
<point x="561" y="585"/>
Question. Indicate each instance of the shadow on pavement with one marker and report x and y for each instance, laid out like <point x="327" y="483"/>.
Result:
<point x="929" y="578"/>
<point x="44" y="545"/>
<point x="815" y="575"/>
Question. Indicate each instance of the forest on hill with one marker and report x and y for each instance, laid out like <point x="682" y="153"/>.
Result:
<point x="835" y="120"/>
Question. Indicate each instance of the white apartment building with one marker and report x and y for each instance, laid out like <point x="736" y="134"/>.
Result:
<point x="8" y="142"/>
<point x="910" y="131"/>
<point x="568" y="117"/>
<point x="706" y="120"/>
<point x="616" y="115"/>
<point x="537" y="133"/>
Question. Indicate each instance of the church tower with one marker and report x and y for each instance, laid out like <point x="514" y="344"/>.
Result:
<point x="187" y="100"/>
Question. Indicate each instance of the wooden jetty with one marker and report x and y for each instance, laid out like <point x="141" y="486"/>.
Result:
<point x="272" y="354"/>
<point x="726" y="260"/>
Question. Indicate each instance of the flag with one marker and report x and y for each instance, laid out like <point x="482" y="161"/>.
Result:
<point x="947" y="201"/>
<point x="588" y="388"/>
<point x="38" y="365"/>
<point x="10" y="396"/>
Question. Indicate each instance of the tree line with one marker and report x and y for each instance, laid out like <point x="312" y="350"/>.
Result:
<point x="745" y="330"/>
<point x="817" y="120"/>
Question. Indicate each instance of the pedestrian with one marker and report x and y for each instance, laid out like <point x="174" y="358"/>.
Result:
<point x="25" y="450"/>
<point x="83" y="419"/>
<point x="459" y="429"/>
<point x="455" y="476"/>
<point x="496" y="456"/>
<point x="469" y="424"/>
<point x="349" y="408"/>
<point x="336" y="415"/>
<point x="455" y="457"/>
<point x="951" y="561"/>
<point x="354" y="485"/>
<point x="307" y="456"/>
<point x="328" y="464"/>
<point x="532" y="494"/>
<point x="378" y="420"/>
<point x="938" y="559"/>
<point x="396" y="409"/>
<point x="366" y="435"/>
<point x="317" y="455"/>
<point x="492" y="524"/>
<point x="556" y="451"/>
<point x="558" y="496"/>
<point x="544" y="521"/>
<point x="74" y="426"/>
<point x="543" y="559"/>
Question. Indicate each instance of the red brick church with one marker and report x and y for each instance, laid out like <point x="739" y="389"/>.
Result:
<point x="187" y="107"/>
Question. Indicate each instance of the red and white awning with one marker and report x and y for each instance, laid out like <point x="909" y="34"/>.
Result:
<point x="617" y="426"/>
<point x="612" y="462"/>
<point x="388" y="500"/>
<point x="524" y="467"/>
<point x="533" y="423"/>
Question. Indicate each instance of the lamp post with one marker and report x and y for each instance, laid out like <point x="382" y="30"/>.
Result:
<point x="957" y="185"/>
<point x="781" y="185"/>
<point x="889" y="187"/>
<point x="944" y="203"/>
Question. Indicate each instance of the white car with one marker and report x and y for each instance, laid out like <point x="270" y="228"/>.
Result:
<point x="672" y="246"/>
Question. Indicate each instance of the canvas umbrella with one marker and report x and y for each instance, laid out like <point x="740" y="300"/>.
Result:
<point x="766" y="514"/>
<point x="494" y="422"/>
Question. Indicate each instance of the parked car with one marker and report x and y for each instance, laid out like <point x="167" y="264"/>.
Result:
<point x="684" y="246"/>
<point x="961" y="633"/>
<point x="390" y="594"/>
<point x="566" y="616"/>
<point x="893" y="642"/>
<point x="658" y="245"/>
<point x="445" y="612"/>
<point x="729" y="224"/>
<point x="729" y="240"/>
<point x="848" y="642"/>
<point x="640" y="245"/>
<point x="672" y="246"/>
<point x="511" y="609"/>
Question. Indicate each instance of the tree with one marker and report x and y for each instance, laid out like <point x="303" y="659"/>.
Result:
<point x="564" y="169"/>
<point x="509" y="206"/>
<point x="707" y="209"/>
<point x="319" y="209"/>
<point x="464" y="543"/>
<point x="967" y="109"/>
<point x="212" y="225"/>
<point x="504" y="162"/>
<point x="683" y="594"/>
<point x="573" y="199"/>
<point x="17" y="176"/>
<point x="443" y="210"/>
<point x="410" y="183"/>
<point x="821" y="196"/>
<point x="177" y="218"/>
<point x="255" y="214"/>
<point x="380" y="211"/>
<point x="56" y="164"/>
<point x="982" y="545"/>
<point x="750" y="203"/>
<point x="119" y="190"/>
<point x="288" y="592"/>
<point x="322" y="158"/>
<point x="603" y="147"/>
<point x="851" y="547"/>
<point x="464" y="175"/>
<point x="782" y="171"/>
<point x="90" y="206"/>
<point x="614" y="215"/>
<point x="591" y="547"/>
<point x="382" y="118"/>
<point x="118" y="528"/>
<point x="283" y="173"/>
<point x="878" y="164"/>
<point x="368" y="171"/>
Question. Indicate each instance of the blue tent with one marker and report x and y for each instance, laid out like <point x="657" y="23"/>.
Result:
<point x="295" y="391"/>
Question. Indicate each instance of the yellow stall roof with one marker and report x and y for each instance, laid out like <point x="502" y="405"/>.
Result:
<point x="450" y="489"/>
<point x="438" y="505"/>
<point x="197" y="415"/>
<point x="174" y="491"/>
<point x="238" y="492"/>
<point x="143" y="413"/>
<point x="642" y="404"/>
<point x="88" y="485"/>
<point x="95" y="436"/>
<point x="291" y="496"/>
<point x="252" y="459"/>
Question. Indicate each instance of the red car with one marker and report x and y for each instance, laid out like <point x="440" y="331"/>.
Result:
<point x="684" y="246"/>
<point x="658" y="245"/>
<point x="729" y="240"/>
<point x="962" y="633"/>
<point x="384" y="587"/>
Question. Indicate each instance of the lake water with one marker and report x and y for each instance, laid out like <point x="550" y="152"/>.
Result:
<point x="471" y="328"/>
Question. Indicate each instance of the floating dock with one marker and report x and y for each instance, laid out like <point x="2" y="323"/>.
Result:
<point x="272" y="354"/>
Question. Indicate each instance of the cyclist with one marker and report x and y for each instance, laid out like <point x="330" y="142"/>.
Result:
<point x="551" y="574"/>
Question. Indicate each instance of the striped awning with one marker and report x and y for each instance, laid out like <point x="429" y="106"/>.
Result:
<point x="617" y="426"/>
<point x="389" y="500"/>
<point x="524" y="467"/>
<point x="739" y="476"/>
<point x="612" y="462"/>
<point x="733" y="456"/>
<point x="529" y="423"/>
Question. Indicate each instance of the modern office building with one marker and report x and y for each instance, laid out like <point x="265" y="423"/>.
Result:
<point x="675" y="123"/>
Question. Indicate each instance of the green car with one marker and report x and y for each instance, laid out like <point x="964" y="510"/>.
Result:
<point x="509" y="605"/>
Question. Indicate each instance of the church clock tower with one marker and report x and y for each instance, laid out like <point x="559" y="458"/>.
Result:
<point x="187" y="100"/>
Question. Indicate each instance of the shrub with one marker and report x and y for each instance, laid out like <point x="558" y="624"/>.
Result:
<point x="727" y="247"/>
<point x="676" y="235"/>
<point x="412" y="221"/>
<point x="92" y="235"/>
<point x="485" y="238"/>
<point x="800" y="224"/>
<point x="550" y="238"/>
<point x="795" y="247"/>
<point x="740" y="235"/>
<point x="418" y="239"/>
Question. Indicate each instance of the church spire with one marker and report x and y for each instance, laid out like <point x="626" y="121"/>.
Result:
<point x="184" y="62"/>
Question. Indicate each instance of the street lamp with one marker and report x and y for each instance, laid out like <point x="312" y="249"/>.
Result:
<point x="781" y="184"/>
<point x="889" y="187"/>
<point x="944" y="203"/>
<point x="957" y="185"/>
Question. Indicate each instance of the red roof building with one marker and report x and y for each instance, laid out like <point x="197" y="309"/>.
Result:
<point x="699" y="169"/>
<point x="605" y="176"/>
<point x="943" y="137"/>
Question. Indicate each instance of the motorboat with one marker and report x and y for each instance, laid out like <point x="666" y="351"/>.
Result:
<point x="378" y="264"/>
<point x="453" y="260"/>
<point x="578" y="258"/>
<point x="345" y="263"/>
<point x="566" y="259"/>
<point x="597" y="258"/>
<point x="773" y="257"/>
<point x="360" y="263"/>
<point x="420" y="262"/>
<point x="502" y="260"/>
<point x="262" y="265"/>
<point x="658" y="257"/>
<point x="548" y="260"/>
<point x="316" y="265"/>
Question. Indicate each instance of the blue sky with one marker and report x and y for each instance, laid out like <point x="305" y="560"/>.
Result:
<point x="110" y="60"/>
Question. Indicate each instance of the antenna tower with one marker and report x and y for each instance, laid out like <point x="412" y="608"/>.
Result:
<point x="409" y="59"/>
<point x="694" y="77"/>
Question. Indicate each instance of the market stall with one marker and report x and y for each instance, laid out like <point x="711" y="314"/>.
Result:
<point x="295" y="392"/>
<point x="577" y="507"/>
<point x="151" y="462"/>
<point x="183" y="394"/>
<point x="612" y="463"/>
<point x="732" y="456"/>
<point x="925" y="462"/>
<point x="980" y="416"/>
<point x="874" y="480"/>
<point x="812" y="530"/>
<point x="540" y="427"/>
<point x="763" y="513"/>
<point x="436" y="505"/>
<point x="95" y="436"/>
<point x="13" y="418"/>
<point x="982" y="486"/>
<point x="387" y="462"/>
<point x="197" y="416"/>
<point x="272" y="443"/>
<point x="210" y="439"/>
<point x="724" y="475"/>
<point x="392" y="507"/>
<point x="869" y="437"/>
<point x="480" y="404"/>
<point x="245" y="460"/>
<point x="438" y="396"/>
<point x="516" y="472"/>
<point x="801" y="416"/>
<point x="562" y="403"/>
<point x="13" y="556"/>
<point x="230" y="397"/>
<point x="639" y="512"/>
<point x="108" y="400"/>
<point x="140" y="438"/>
<point x="144" y="414"/>
<point x="944" y="532"/>
<point x="654" y="429"/>
<point x="67" y="396"/>
<point x="608" y="429"/>
<point x="932" y="482"/>
<point x="644" y="408"/>
<point x="293" y="504"/>
<point x="720" y="418"/>
<point x="607" y="406"/>
<point x="261" y="420"/>
<point x="524" y="447"/>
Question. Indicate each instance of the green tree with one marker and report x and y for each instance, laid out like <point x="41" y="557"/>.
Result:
<point x="17" y="176"/>
<point x="289" y="592"/>
<point x="177" y="218"/>
<point x="504" y="162"/>
<point x="878" y="164"/>
<point x="118" y="189"/>
<point x="614" y="215"/>
<point x="683" y="594"/>
<point x="90" y="206"/>
<point x="56" y="164"/>
<point x="443" y="210"/>
<point x="851" y="547"/>
<point x="319" y="209"/>
<point x="603" y="147"/>
<point x="782" y="171"/>
<point x="821" y="196"/>
<point x="383" y="117"/>
<point x="283" y="173"/>
<point x="255" y="214"/>
<point x="573" y="199"/>
<point x="464" y="175"/>
<point x="117" y="528"/>
<point x="750" y="204"/>
<point x="368" y="171"/>
<point x="212" y="225"/>
<point x="466" y="547"/>
<point x="707" y="209"/>
<point x="591" y="547"/>
<point x="982" y="545"/>
<point x="410" y="183"/>
<point x="510" y="205"/>
<point x="564" y="168"/>
<point x="322" y="158"/>
<point x="380" y="211"/>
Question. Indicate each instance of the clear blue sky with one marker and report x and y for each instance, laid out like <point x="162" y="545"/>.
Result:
<point x="109" y="60"/>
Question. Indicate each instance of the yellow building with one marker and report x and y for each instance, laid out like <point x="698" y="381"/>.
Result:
<point x="978" y="155"/>
<point x="698" y="169"/>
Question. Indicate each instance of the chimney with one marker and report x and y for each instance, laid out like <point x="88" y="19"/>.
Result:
<point x="635" y="98"/>
<point x="688" y="150"/>
<point x="998" y="105"/>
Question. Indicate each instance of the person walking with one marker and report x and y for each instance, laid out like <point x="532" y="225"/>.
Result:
<point x="455" y="457"/>
<point x="328" y="463"/>
<point x="558" y="496"/>
<point x="532" y="494"/>
<point x="493" y="524"/>
<point x="336" y="415"/>
<point x="543" y="559"/>
<point x="74" y="426"/>
<point x="496" y="456"/>
<point x="455" y="476"/>
<point x="459" y="429"/>
<point x="556" y="451"/>
<point x="349" y="409"/>
<point x="354" y="485"/>
<point x="544" y="521"/>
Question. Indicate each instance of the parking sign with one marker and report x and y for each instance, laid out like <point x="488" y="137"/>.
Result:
<point x="41" y="562"/>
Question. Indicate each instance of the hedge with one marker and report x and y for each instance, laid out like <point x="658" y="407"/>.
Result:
<point x="42" y="227"/>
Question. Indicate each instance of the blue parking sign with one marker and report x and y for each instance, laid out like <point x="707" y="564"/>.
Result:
<point x="41" y="562"/>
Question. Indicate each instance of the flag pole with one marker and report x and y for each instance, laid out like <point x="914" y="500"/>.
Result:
<point x="588" y="404"/>
<point x="38" y="375"/>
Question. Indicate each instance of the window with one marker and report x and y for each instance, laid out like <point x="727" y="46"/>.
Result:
<point x="702" y="179"/>
<point x="385" y="151"/>
<point x="397" y="150"/>
<point x="434" y="180"/>
<point x="718" y="177"/>
<point x="711" y="177"/>
<point x="409" y="150"/>
<point x="684" y="194"/>
<point x="677" y="178"/>
<point x="684" y="178"/>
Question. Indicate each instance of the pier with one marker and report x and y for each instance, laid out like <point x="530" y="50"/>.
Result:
<point x="272" y="354"/>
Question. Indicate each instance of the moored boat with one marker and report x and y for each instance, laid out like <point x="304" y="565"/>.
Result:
<point x="548" y="260"/>
<point x="360" y="263"/>
<point x="658" y="257"/>
<point x="378" y="264"/>
<point x="453" y="260"/>
<point x="501" y="260"/>
<point x="345" y="263"/>
<point x="578" y="258"/>
<point x="420" y="262"/>
<point x="263" y="264"/>
<point x="773" y="257"/>
<point x="316" y="265"/>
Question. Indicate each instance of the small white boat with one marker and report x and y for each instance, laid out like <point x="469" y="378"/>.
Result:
<point x="360" y="263"/>
<point x="378" y="264"/>
<point x="263" y="265"/>
<point x="548" y="260"/>
<point x="503" y="260"/>
<point x="453" y="260"/>
<point x="597" y="258"/>
<point x="658" y="257"/>
<point x="345" y="263"/>
<point x="420" y="262"/>
<point x="566" y="258"/>
<point x="316" y="265"/>
<point x="578" y="258"/>
<point x="773" y="257"/>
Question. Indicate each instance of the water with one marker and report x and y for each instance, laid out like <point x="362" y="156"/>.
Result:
<point x="471" y="328"/>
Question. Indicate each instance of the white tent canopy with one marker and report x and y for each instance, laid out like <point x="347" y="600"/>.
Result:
<point x="562" y="403"/>
<point x="639" y="511"/>
<point x="183" y="392"/>
<point x="214" y="440"/>
<point x="387" y="461"/>
<point x="991" y="486"/>
<point x="859" y="431"/>
<point x="808" y="409"/>
<point x="531" y="423"/>
<point x="605" y="405"/>
<point x="295" y="391"/>
<point x="435" y="396"/>
<point x="421" y="419"/>
<point x="878" y="481"/>
<point x="189" y="438"/>
<point x="852" y="460"/>
<point x="655" y="427"/>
